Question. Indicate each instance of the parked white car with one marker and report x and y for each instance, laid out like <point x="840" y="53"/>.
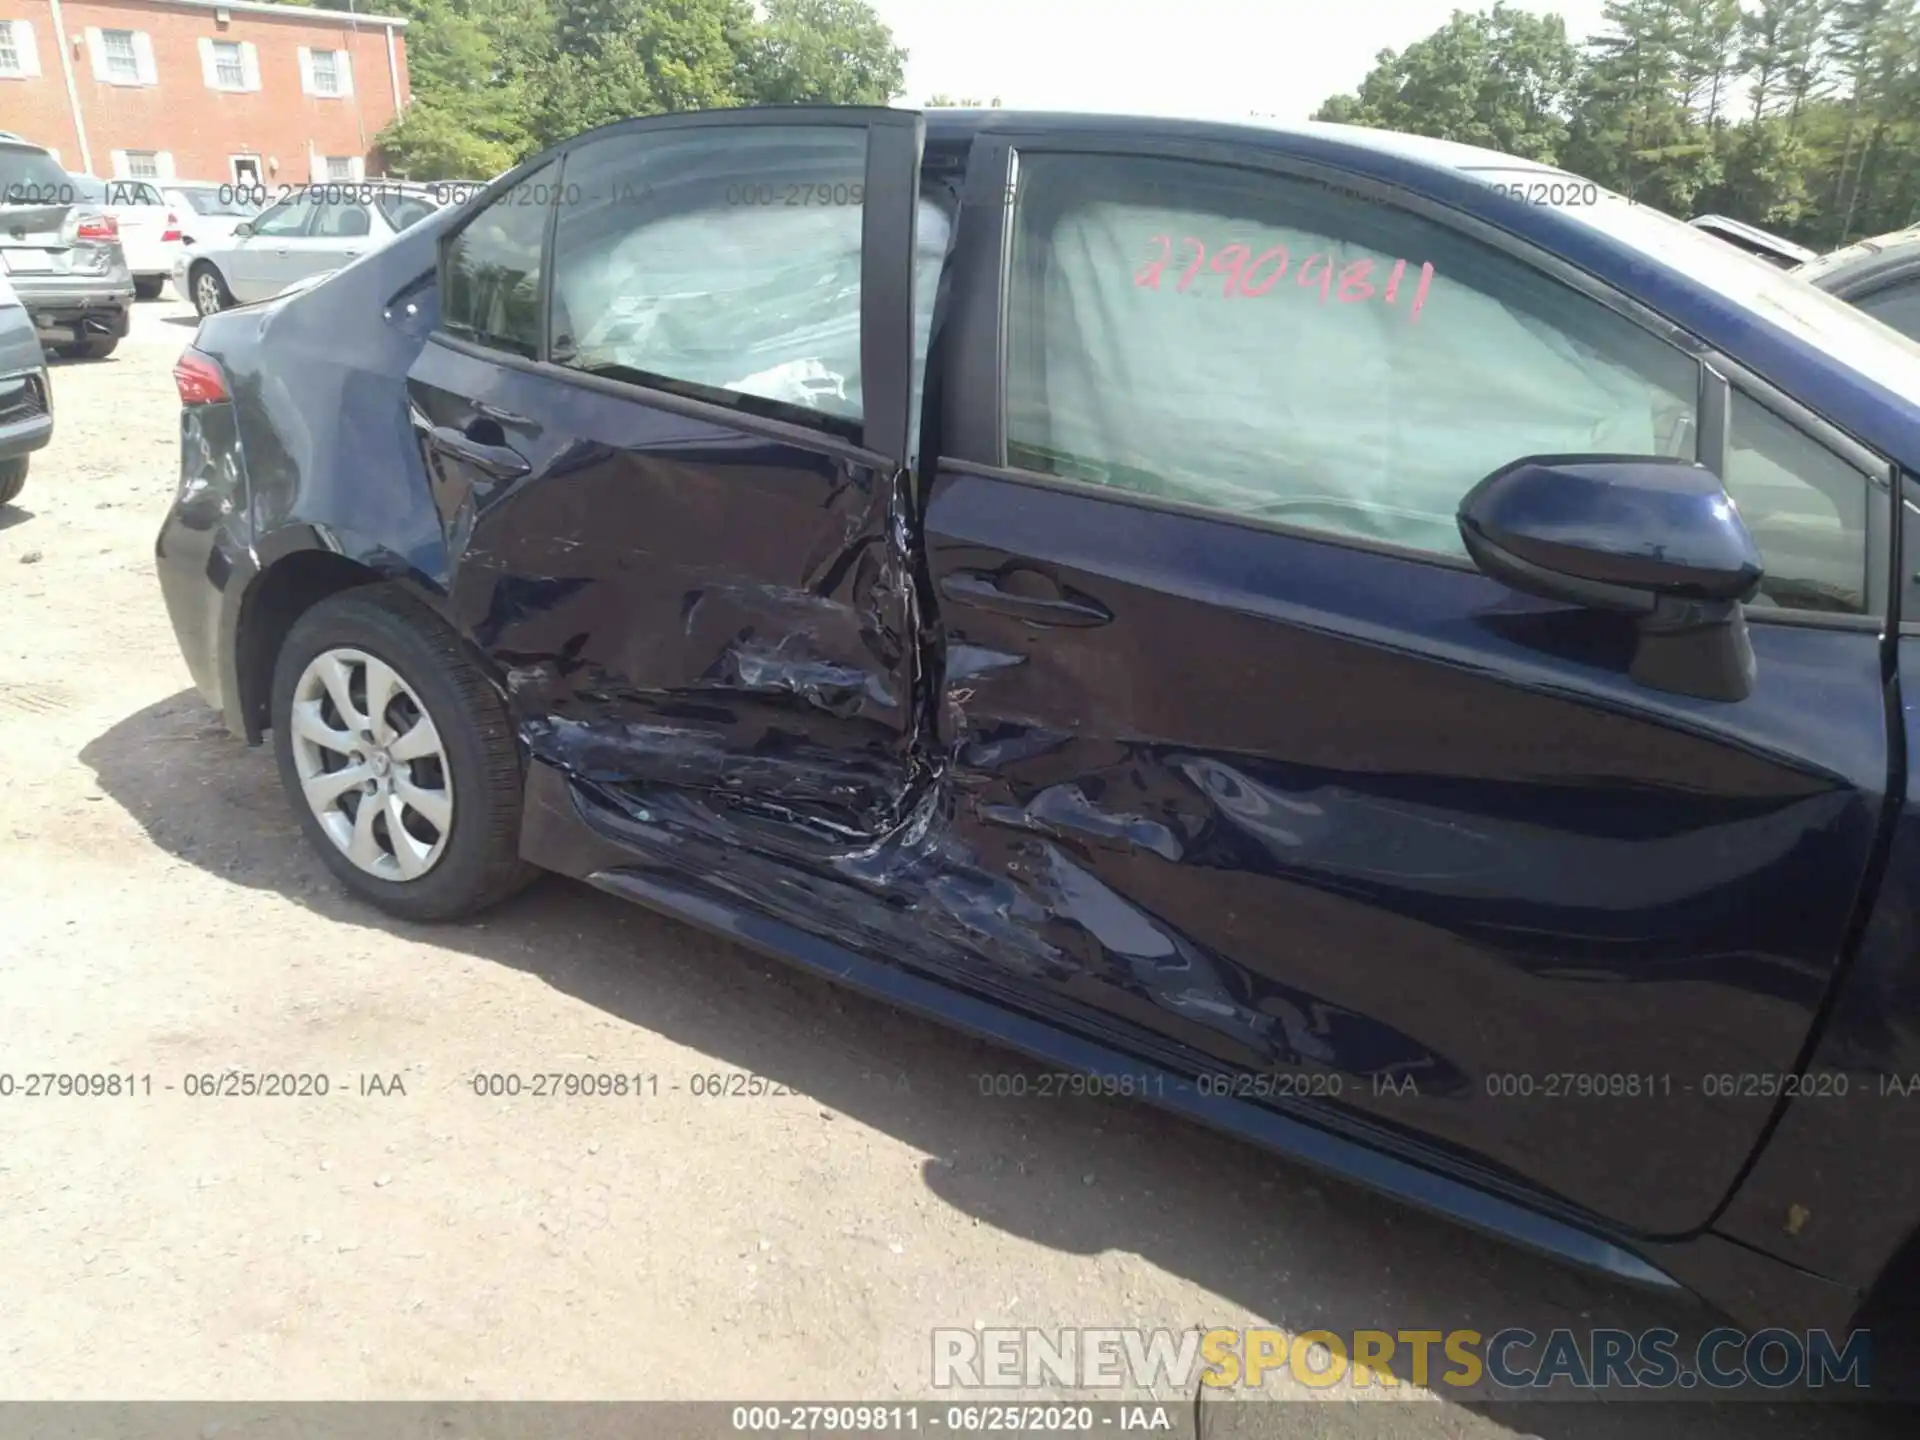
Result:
<point x="313" y="232"/>
<point x="208" y="211"/>
<point x="149" y="228"/>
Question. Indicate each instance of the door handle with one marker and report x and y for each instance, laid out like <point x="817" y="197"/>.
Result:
<point x="281" y="251"/>
<point x="502" y="462"/>
<point x="1039" y="600"/>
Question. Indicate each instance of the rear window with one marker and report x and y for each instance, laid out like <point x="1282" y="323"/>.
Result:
<point x="31" y="177"/>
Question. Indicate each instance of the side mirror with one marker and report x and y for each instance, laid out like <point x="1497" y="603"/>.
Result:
<point x="1658" y="539"/>
<point x="243" y="230"/>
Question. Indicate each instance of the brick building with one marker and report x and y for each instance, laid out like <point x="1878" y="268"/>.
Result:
<point x="201" y="89"/>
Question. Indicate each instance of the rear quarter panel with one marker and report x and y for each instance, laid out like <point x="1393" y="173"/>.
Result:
<point x="319" y="382"/>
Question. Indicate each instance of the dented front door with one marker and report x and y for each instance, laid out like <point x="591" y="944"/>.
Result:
<point x="668" y="461"/>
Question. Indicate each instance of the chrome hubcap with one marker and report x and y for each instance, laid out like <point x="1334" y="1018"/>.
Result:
<point x="209" y="290"/>
<point x="371" y="764"/>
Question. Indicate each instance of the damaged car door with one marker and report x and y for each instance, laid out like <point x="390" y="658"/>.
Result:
<point x="1290" y="791"/>
<point x="664" y="417"/>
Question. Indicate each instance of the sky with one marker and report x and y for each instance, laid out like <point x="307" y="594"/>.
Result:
<point x="1216" y="59"/>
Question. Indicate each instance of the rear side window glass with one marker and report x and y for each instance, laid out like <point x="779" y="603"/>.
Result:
<point x="491" y="293"/>
<point x="289" y="217"/>
<point x="340" y="222"/>
<point x="32" y="177"/>
<point x="1273" y="349"/>
<point x="1804" y="506"/>
<point x="400" y="211"/>
<point x="723" y="263"/>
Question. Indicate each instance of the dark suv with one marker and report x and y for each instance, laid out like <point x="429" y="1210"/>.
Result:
<point x="62" y="256"/>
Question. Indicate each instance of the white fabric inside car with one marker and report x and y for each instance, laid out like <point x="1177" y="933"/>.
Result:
<point x="759" y="300"/>
<point x="1350" y="416"/>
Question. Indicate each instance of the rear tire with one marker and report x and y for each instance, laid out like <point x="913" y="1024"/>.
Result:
<point x="207" y="290"/>
<point x="147" y="287"/>
<point x="97" y="347"/>
<point x="13" y="476"/>
<point x="453" y="785"/>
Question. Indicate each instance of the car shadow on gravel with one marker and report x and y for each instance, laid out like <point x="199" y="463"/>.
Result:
<point x="1080" y="1176"/>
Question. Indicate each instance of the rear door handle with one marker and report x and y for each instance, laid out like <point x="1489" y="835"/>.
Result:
<point x="502" y="462"/>
<point x="1039" y="599"/>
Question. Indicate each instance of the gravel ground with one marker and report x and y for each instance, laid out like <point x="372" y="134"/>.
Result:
<point x="166" y="920"/>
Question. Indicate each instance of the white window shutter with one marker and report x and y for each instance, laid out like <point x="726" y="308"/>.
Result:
<point x="24" y="47"/>
<point x="119" y="164"/>
<point x="143" y="58"/>
<point x="163" y="162"/>
<point x="343" y="69"/>
<point x="359" y="167"/>
<point x="209" y="70"/>
<point x="250" y="64"/>
<point x="97" y="52"/>
<point x="306" y="69"/>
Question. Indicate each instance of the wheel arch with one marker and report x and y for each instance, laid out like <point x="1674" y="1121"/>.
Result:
<point x="280" y="594"/>
<point x="300" y="565"/>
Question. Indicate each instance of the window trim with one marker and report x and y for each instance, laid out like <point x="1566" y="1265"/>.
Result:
<point x="729" y="417"/>
<point x="896" y="143"/>
<point x="993" y="170"/>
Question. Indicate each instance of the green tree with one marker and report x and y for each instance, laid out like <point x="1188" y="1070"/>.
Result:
<point x="821" y="52"/>
<point x="466" y="60"/>
<point x="1499" y="79"/>
<point x="614" y="59"/>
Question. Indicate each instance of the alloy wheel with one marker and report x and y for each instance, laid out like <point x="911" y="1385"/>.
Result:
<point x="371" y="764"/>
<point x="206" y="293"/>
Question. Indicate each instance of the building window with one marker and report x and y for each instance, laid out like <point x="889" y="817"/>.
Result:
<point x="326" y="72"/>
<point x="229" y="71"/>
<point x="143" y="165"/>
<point x="9" y="49"/>
<point x="339" y="167"/>
<point x="123" y="61"/>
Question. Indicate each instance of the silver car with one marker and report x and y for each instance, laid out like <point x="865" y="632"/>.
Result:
<point x="26" y="401"/>
<point x="313" y="231"/>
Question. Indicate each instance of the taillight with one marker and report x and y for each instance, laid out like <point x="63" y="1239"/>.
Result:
<point x="172" y="232"/>
<point x="198" y="379"/>
<point x="98" y="227"/>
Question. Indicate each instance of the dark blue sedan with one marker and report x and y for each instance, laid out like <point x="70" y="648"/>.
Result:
<point x="1377" y="645"/>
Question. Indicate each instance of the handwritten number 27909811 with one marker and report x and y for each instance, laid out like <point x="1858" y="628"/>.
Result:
<point x="1254" y="275"/>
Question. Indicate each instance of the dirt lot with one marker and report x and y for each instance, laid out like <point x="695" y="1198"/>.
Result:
<point x="164" y="919"/>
